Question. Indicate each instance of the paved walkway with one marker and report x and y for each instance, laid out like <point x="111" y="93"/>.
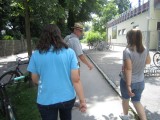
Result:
<point x="110" y="62"/>
<point x="100" y="97"/>
<point x="102" y="101"/>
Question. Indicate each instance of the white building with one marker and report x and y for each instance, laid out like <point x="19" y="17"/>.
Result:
<point x="146" y="17"/>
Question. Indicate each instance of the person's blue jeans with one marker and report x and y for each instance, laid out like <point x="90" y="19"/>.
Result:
<point x="50" y="112"/>
<point x="137" y="89"/>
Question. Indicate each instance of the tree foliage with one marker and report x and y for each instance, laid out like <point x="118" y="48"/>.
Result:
<point x="109" y="11"/>
<point x="62" y="12"/>
<point x="80" y="10"/>
<point x="123" y="5"/>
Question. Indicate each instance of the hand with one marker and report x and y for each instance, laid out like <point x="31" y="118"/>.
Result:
<point x="83" y="107"/>
<point x="130" y="93"/>
<point x="90" y="66"/>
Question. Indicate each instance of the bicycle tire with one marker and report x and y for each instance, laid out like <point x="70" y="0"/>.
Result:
<point x="8" y="77"/>
<point x="156" y="59"/>
<point x="100" y="47"/>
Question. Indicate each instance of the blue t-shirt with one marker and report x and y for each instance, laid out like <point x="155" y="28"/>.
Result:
<point x="54" y="69"/>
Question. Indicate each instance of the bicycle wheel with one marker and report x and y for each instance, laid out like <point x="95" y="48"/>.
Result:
<point x="100" y="46"/>
<point x="8" y="77"/>
<point x="156" y="59"/>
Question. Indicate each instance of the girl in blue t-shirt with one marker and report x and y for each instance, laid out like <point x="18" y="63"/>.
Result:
<point x="54" y="69"/>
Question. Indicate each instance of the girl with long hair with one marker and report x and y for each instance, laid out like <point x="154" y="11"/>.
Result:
<point x="135" y="57"/>
<point x="54" y="69"/>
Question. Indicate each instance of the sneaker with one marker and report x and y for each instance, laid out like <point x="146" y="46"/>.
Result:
<point x="124" y="117"/>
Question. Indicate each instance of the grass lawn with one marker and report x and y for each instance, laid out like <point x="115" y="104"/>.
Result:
<point x="24" y="102"/>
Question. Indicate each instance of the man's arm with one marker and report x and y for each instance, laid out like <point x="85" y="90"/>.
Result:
<point x="85" y="61"/>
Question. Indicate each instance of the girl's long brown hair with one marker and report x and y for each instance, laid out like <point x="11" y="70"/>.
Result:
<point x="51" y="36"/>
<point x="135" y="39"/>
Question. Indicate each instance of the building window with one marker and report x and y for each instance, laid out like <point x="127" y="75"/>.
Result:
<point x="157" y="4"/>
<point x="119" y="32"/>
<point x="114" y="32"/>
<point x="158" y="25"/>
<point x="124" y="32"/>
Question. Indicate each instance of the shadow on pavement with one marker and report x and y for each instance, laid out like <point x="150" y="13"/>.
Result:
<point x="150" y="114"/>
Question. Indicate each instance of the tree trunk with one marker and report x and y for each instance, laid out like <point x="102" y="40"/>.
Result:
<point x="27" y="28"/>
<point x="70" y="20"/>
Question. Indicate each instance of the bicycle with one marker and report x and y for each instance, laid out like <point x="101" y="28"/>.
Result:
<point x="11" y="77"/>
<point x="21" y="62"/>
<point x="106" y="45"/>
<point x="156" y="59"/>
<point x="103" y="45"/>
<point x="7" y="109"/>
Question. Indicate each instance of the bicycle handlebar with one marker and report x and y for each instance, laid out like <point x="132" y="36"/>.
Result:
<point x="18" y="78"/>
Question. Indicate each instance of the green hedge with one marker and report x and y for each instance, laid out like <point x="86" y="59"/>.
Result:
<point x="92" y="37"/>
<point x="7" y="37"/>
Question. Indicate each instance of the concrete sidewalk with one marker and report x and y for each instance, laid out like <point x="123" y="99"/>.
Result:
<point x="102" y="101"/>
<point x="110" y="61"/>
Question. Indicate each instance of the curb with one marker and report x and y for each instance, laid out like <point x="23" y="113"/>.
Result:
<point x="115" y="88"/>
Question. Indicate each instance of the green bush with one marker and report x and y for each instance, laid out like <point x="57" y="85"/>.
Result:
<point x="93" y="37"/>
<point x="104" y="36"/>
<point x="7" y="37"/>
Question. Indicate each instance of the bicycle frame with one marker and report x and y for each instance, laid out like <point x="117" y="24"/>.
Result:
<point x="17" y="69"/>
<point x="102" y="45"/>
<point x="19" y="60"/>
